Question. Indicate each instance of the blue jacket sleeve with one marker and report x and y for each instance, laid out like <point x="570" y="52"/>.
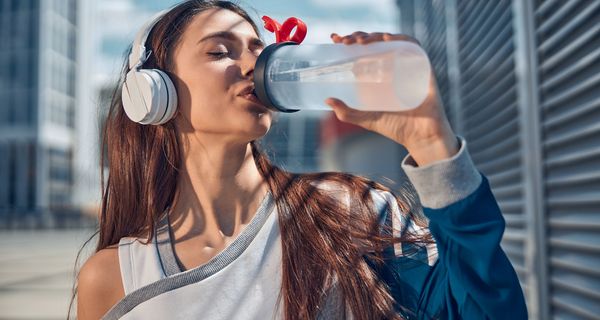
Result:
<point x="471" y="277"/>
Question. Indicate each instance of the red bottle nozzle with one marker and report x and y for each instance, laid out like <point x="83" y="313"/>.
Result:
<point x="282" y="31"/>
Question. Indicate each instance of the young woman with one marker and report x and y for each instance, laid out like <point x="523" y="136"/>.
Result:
<point x="196" y="223"/>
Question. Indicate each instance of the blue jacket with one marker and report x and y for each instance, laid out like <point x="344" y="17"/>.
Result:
<point x="472" y="277"/>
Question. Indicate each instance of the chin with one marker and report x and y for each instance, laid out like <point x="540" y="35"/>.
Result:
<point x="261" y="118"/>
<point x="258" y="129"/>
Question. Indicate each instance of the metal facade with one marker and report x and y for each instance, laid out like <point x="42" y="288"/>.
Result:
<point x="521" y="81"/>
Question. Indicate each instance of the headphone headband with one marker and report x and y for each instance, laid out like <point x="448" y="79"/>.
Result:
<point x="139" y="54"/>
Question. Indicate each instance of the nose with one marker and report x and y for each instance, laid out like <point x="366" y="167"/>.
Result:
<point x="248" y="60"/>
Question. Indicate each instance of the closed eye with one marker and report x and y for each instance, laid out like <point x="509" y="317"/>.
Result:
<point x="219" y="54"/>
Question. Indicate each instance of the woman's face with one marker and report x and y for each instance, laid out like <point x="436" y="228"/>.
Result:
<point x="213" y="66"/>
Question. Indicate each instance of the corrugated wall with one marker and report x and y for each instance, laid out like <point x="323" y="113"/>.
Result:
<point x="521" y="81"/>
<point x="568" y="49"/>
<point x="490" y="113"/>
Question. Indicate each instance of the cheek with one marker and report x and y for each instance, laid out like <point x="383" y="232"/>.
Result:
<point x="208" y="90"/>
<point x="208" y="85"/>
<point x="210" y="104"/>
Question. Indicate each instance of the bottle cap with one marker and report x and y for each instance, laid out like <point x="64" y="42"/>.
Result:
<point x="283" y="31"/>
<point x="260" y="78"/>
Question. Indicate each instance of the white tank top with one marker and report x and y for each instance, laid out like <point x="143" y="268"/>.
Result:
<point x="241" y="282"/>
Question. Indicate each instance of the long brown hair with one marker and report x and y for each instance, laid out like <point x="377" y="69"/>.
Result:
<point x="321" y="236"/>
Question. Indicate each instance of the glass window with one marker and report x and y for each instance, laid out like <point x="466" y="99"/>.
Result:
<point x="72" y="44"/>
<point x="33" y="70"/>
<point x="4" y="70"/>
<point x="32" y="107"/>
<point x="15" y="5"/>
<point x="60" y="162"/>
<point x="71" y="79"/>
<point x="12" y="179"/>
<point x="8" y="112"/>
<point x="3" y="173"/>
<point x="32" y="35"/>
<point x="56" y="5"/>
<point x="12" y="70"/>
<point x="24" y="5"/>
<point x="31" y="177"/>
<point x="22" y="72"/>
<point x="3" y="111"/>
<point x="19" y="107"/>
<point x="70" y="115"/>
<point x="22" y="30"/>
<point x="73" y="11"/>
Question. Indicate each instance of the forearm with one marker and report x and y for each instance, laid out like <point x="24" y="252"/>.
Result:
<point x="440" y="144"/>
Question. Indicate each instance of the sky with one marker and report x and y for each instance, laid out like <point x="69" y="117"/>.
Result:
<point x="117" y="21"/>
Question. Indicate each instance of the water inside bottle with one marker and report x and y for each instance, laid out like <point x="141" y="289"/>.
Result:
<point x="385" y="82"/>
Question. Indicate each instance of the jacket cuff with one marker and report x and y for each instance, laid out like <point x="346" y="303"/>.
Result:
<point x="444" y="182"/>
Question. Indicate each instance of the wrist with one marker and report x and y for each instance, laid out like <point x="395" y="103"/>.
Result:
<point x="434" y="149"/>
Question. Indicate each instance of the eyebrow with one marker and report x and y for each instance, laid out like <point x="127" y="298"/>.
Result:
<point x="231" y="36"/>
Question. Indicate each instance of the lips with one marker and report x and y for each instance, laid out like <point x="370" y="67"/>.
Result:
<point x="249" y="94"/>
<point x="246" y="90"/>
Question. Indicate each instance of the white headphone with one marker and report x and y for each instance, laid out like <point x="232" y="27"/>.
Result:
<point x="148" y="95"/>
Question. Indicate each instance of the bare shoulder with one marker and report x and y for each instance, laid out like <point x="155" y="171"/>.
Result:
<point x="99" y="285"/>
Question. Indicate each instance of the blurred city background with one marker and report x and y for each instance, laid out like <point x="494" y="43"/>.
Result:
<point x="520" y="81"/>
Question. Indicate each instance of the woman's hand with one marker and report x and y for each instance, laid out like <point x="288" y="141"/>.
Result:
<point x="424" y="131"/>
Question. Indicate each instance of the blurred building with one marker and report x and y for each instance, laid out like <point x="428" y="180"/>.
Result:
<point x="311" y="141"/>
<point x="86" y="159"/>
<point x="520" y="80"/>
<point x="293" y="141"/>
<point x="38" y="132"/>
<point x="349" y="148"/>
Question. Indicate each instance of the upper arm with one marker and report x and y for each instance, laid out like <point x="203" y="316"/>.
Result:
<point x="99" y="284"/>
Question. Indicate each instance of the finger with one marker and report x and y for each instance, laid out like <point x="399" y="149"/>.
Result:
<point x="366" y="38"/>
<point x="362" y="39"/>
<point x="343" y="112"/>
<point x="354" y="37"/>
<point x="334" y="102"/>
<point x="372" y="37"/>
<point x="337" y="105"/>
<point x="349" y="39"/>
<point x="399" y="36"/>
<point x="359" y="34"/>
<point x="336" y="38"/>
<point x="386" y="36"/>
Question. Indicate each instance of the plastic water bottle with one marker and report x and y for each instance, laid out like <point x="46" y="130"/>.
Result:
<point x="380" y="76"/>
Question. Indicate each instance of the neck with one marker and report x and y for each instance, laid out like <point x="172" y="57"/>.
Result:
<point x="219" y="190"/>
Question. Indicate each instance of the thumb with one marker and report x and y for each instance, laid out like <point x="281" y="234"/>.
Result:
<point x="342" y="111"/>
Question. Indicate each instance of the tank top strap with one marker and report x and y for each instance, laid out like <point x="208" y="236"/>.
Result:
<point x="139" y="263"/>
<point x="126" y="264"/>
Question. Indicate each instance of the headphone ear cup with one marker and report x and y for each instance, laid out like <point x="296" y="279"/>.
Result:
<point x="134" y="95"/>
<point x="149" y="96"/>
<point x="169" y="91"/>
